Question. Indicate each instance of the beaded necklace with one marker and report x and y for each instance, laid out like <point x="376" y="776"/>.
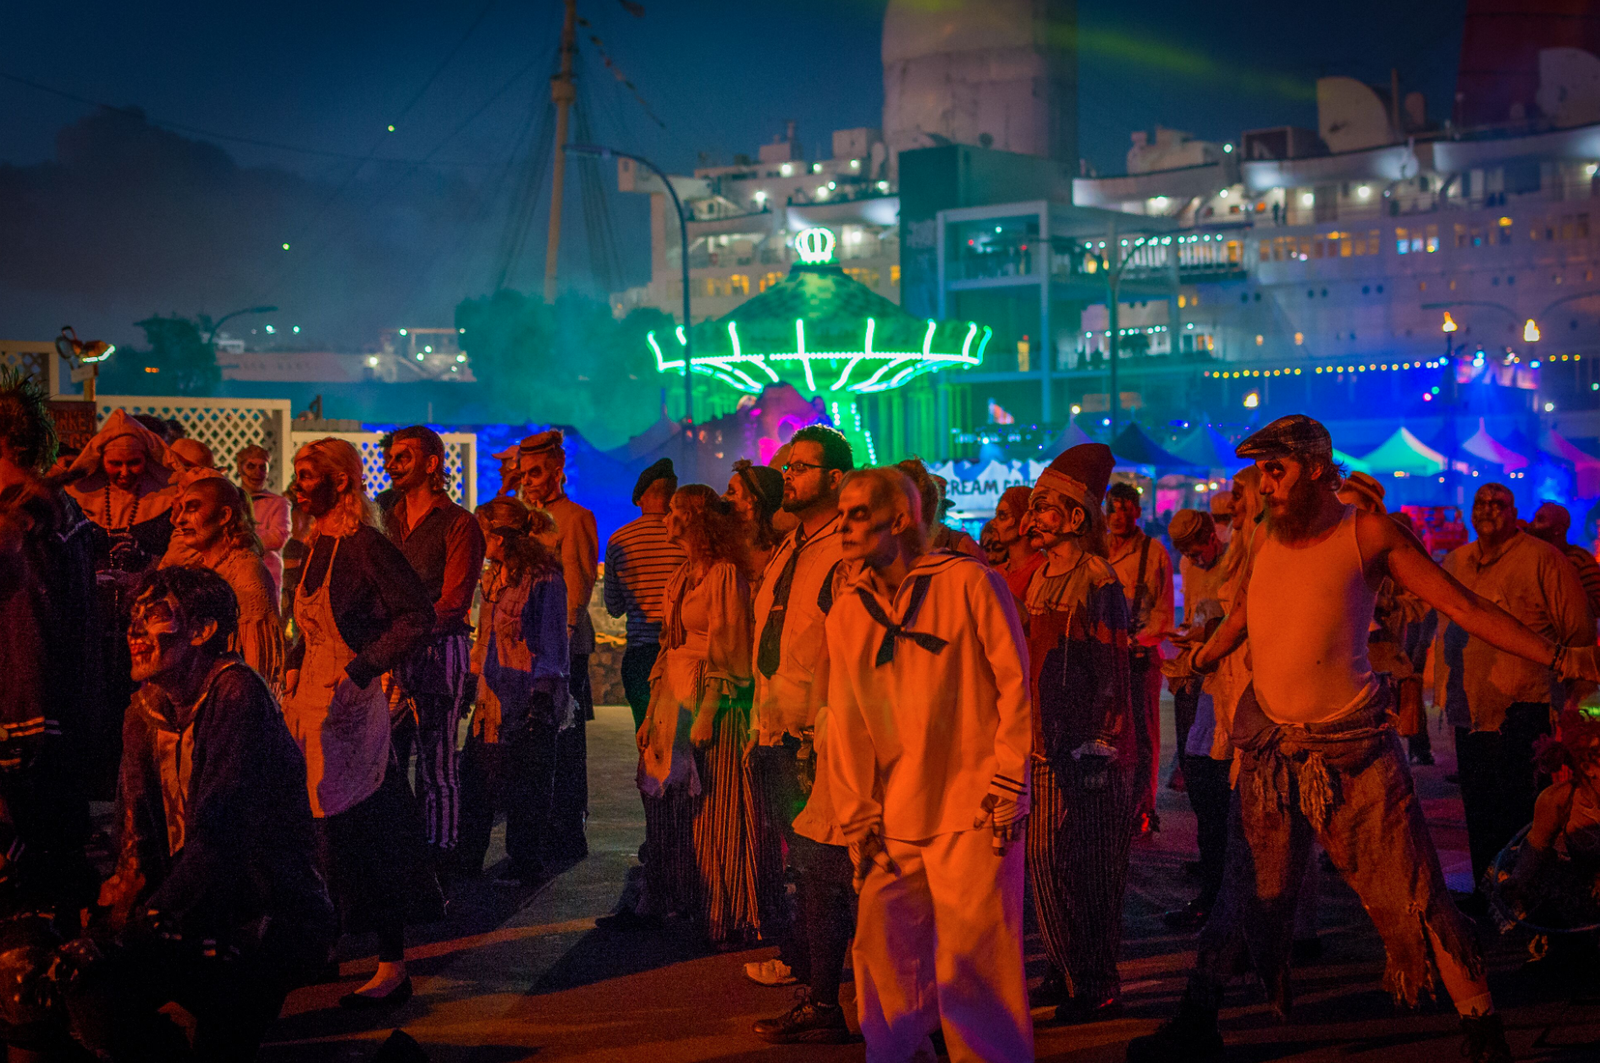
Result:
<point x="133" y="517"/>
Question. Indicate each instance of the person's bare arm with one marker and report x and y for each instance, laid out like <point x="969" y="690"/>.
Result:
<point x="1416" y="572"/>
<point x="1229" y="634"/>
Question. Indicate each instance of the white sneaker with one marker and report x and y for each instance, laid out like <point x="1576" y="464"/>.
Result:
<point x="772" y="972"/>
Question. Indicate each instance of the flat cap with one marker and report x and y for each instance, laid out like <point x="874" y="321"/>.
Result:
<point x="1289" y="436"/>
<point x="661" y="470"/>
<point x="1190" y="527"/>
<point x="542" y="442"/>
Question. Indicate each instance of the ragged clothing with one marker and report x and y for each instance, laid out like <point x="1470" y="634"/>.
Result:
<point x="1078" y="646"/>
<point x="216" y="824"/>
<point x="521" y="653"/>
<point x="705" y="656"/>
<point x="928" y="698"/>
<point x="577" y="543"/>
<point x="1344" y="784"/>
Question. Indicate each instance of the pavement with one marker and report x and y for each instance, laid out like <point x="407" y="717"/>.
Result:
<point x="515" y="976"/>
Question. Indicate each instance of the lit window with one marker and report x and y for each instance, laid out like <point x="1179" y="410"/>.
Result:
<point x="787" y="169"/>
<point x="1299" y="338"/>
<point x="1260" y="340"/>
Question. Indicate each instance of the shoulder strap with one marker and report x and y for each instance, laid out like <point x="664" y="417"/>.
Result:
<point x="1138" y="581"/>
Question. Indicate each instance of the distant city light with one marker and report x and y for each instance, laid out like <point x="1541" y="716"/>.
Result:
<point x="1227" y="147"/>
<point x="372" y="359"/>
<point x="855" y="164"/>
<point x="1530" y="332"/>
<point x="1223" y="193"/>
<point x="883" y="186"/>
<point x="1363" y="191"/>
<point x="461" y="358"/>
<point x="402" y="332"/>
<point x="822" y="191"/>
<point x="786" y="169"/>
<point x="760" y="196"/>
<point x="1308" y="199"/>
<point x="286" y="247"/>
<point x="297" y="330"/>
<point x="1590" y="170"/>
<point x="271" y="330"/>
<point x="816" y="167"/>
<point x="1549" y="406"/>
<point x="1252" y="400"/>
<point x="1426" y="397"/>
<point x="428" y="349"/>
<point x="391" y="129"/>
<point x="419" y="357"/>
<point x="1449" y="323"/>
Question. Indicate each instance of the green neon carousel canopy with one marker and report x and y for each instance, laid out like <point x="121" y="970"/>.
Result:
<point x="823" y="332"/>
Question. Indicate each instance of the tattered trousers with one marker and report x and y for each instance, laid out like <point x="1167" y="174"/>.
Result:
<point x="1346" y="785"/>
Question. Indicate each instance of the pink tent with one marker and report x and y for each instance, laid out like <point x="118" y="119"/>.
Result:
<point x="1585" y="468"/>
<point x="1490" y="449"/>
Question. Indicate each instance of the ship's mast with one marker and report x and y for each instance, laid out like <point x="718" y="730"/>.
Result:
<point x="563" y="93"/>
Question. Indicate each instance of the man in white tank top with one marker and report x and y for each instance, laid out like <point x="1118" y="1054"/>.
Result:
<point x="1319" y="758"/>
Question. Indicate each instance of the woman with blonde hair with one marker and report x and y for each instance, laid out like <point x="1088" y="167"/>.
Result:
<point x="520" y="658"/>
<point x="691" y="745"/>
<point x="359" y="610"/>
<point x="211" y="521"/>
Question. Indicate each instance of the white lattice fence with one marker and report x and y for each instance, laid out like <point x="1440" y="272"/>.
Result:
<point x="33" y="358"/>
<point x="460" y="460"/>
<point x="225" y="425"/>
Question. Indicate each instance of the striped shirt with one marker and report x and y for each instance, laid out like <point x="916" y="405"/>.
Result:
<point x="639" y="562"/>
<point x="1588" y="574"/>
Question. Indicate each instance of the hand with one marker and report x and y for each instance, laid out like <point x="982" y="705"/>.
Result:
<point x="1580" y="662"/>
<point x="291" y="682"/>
<point x="869" y="852"/>
<point x="703" y="732"/>
<point x="1006" y="815"/>
<point x="641" y="737"/>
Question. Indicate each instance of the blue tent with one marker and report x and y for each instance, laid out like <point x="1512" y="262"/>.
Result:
<point x="1209" y="449"/>
<point x="1133" y="447"/>
<point x="1070" y="437"/>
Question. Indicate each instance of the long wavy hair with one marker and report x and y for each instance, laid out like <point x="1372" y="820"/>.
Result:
<point x="240" y="530"/>
<point x="1246" y="520"/>
<point x="715" y="529"/>
<point x="334" y="458"/>
<point x="520" y="530"/>
<point x="762" y="534"/>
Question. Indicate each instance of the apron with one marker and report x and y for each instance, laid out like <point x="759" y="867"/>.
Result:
<point x="342" y="730"/>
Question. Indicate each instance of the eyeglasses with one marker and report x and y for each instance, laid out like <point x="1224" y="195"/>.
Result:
<point x="799" y="468"/>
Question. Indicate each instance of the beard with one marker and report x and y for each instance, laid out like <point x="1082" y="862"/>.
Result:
<point x="320" y="500"/>
<point x="1299" y="508"/>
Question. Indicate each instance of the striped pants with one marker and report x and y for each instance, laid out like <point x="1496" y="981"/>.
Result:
<point x="1079" y="832"/>
<point x="671" y="874"/>
<point x="426" y="697"/>
<point x="733" y="840"/>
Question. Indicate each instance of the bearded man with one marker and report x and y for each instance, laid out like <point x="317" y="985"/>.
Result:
<point x="543" y="466"/>
<point x="1318" y="756"/>
<point x="927" y="755"/>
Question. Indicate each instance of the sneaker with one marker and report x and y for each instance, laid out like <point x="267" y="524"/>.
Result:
<point x="1484" y="1039"/>
<point x="773" y="972"/>
<point x="806" y="1023"/>
<point x="1191" y="1036"/>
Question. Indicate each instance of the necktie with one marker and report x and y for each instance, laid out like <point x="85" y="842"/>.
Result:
<point x="767" y="651"/>
<point x="895" y="632"/>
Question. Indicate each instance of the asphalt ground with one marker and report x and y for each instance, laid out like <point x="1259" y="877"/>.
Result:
<point x="525" y="975"/>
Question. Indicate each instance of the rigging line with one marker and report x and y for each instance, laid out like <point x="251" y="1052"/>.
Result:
<point x="522" y="207"/>
<point x="212" y="134"/>
<point x="291" y="269"/>
<point x="377" y="141"/>
<point x="491" y="197"/>
<point x="604" y="264"/>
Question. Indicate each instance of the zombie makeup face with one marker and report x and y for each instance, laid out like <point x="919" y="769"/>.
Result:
<point x="253" y="473"/>
<point x="408" y="467"/>
<point x="124" y="461"/>
<point x="1053" y="518"/>
<point x="739" y="497"/>
<point x="161" y="641"/>
<point x="199" y="517"/>
<point x="870" y="528"/>
<point x="541" y="475"/>
<point x="314" y="491"/>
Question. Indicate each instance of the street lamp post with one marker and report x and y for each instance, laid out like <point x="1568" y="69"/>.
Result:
<point x="683" y="247"/>
<point x="236" y="313"/>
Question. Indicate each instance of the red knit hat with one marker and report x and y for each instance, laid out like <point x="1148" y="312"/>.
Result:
<point x="1081" y="472"/>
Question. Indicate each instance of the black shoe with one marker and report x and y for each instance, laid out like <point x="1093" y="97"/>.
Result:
<point x="805" y="1024"/>
<point x="1052" y="992"/>
<point x="1189" y="918"/>
<point x="392" y="999"/>
<point x="1191" y="1036"/>
<point x="1076" y="1011"/>
<point x="1484" y="1039"/>
<point x="522" y="876"/>
<point x="1305" y="950"/>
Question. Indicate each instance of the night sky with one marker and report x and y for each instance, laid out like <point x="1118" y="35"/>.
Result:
<point x="386" y="226"/>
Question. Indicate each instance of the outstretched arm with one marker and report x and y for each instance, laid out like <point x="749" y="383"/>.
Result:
<point x="1416" y="572"/>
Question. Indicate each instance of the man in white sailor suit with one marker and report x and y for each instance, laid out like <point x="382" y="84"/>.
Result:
<point x="927" y="754"/>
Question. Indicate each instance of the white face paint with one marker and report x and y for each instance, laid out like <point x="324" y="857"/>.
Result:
<point x="1052" y="517"/>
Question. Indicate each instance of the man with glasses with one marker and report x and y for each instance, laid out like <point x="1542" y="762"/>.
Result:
<point x="789" y="617"/>
<point x="1498" y="703"/>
